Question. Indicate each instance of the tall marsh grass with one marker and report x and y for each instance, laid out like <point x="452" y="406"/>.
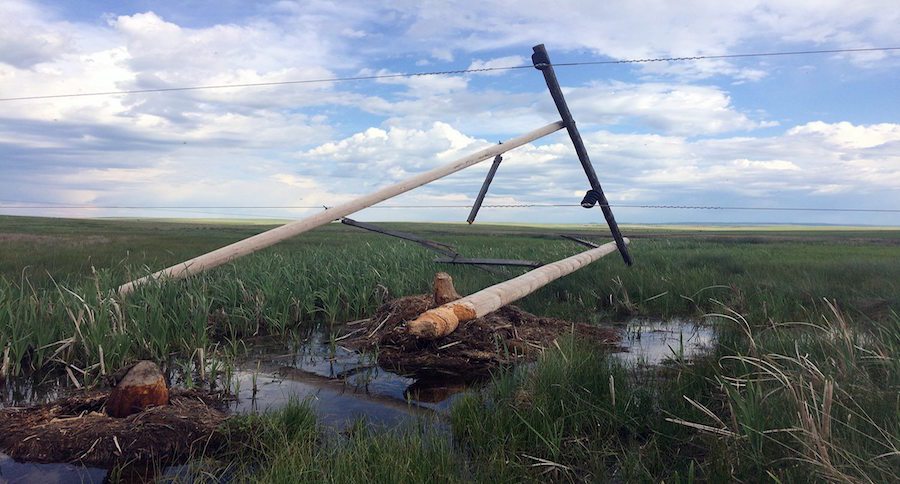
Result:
<point x="289" y="446"/>
<point x="58" y="311"/>
<point x="793" y="402"/>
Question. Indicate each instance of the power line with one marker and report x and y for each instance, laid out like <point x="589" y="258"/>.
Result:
<point x="263" y="84"/>
<point x="448" y="72"/>
<point x="507" y="205"/>
<point x="730" y="56"/>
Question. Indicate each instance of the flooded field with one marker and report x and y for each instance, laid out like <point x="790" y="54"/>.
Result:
<point x="344" y="387"/>
<point x="573" y="415"/>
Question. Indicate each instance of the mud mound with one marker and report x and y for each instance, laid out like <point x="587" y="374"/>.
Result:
<point x="504" y="337"/>
<point x="75" y="429"/>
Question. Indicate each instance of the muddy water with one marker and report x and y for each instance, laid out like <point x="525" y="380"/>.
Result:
<point x="344" y="386"/>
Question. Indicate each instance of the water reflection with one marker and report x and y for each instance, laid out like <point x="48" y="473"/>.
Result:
<point x="653" y="342"/>
<point x="24" y="472"/>
<point x="342" y="385"/>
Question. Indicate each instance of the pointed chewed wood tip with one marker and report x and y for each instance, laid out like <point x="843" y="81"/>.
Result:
<point x="444" y="291"/>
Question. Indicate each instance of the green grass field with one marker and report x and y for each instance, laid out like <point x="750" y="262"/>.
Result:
<point x="801" y="387"/>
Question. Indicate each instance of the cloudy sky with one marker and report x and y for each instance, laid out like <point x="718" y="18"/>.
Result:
<point x="818" y="131"/>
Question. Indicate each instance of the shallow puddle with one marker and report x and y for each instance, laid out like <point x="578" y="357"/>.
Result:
<point x="342" y="385"/>
<point x="24" y="472"/>
<point x="653" y="342"/>
<point x="25" y="391"/>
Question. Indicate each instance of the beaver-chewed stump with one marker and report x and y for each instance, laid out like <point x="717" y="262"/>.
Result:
<point x="143" y="386"/>
<point x="76" y="429"/>
<point x="502" y="338"/>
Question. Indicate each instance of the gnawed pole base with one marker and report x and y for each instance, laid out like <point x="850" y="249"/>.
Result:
<point x="504" y="337"/>
<point x="142" y="387"/>
<point x="443" y="320"/>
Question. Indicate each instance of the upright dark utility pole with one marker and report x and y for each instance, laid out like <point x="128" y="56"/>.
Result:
<point x="541" y="61"/>
<point x="484" y="188"/>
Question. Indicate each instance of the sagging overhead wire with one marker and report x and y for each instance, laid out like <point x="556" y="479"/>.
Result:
<point x="448" y="72"/>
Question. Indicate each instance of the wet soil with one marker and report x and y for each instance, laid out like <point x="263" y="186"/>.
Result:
<point x="76" y="429"/>
<point x="502" y="338"/>
<point x="412" y="377"/>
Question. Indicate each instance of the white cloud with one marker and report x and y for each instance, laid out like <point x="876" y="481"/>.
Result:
<point x="144" y="51"/>
<point x="649" y="136"/>
<point x="680" y="109"/>
<point x="26" y="39"/>
<point x="659" y="168"/>
<point x="626" y="29"/>
<point x="801" y="161"/>
<point x="497" y="63"/>
<point x="422" y="86"/>
<point x="846" y="135"/>
<point x="383" y="155"/>
<point x="774" y="165"/>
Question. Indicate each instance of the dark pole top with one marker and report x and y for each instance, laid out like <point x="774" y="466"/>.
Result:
<point x="541" y="61"/>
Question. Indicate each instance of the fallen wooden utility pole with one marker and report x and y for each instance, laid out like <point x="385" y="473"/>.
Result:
<point x="271" y="237"/>
<point x="443" y="320"/>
